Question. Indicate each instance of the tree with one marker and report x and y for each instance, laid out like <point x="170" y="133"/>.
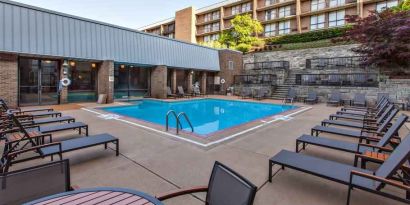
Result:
<point x="403" y="6"/>
<point x="243" y="33"/>
<point x="384" y="39"/>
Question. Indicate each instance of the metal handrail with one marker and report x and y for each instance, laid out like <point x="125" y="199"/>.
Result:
<point x="186" y="118"/>
<point x="176" y="118"/>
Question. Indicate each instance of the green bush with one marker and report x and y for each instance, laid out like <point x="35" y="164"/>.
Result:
<point x="244" y="48"/>
<point x="308" y="36"/>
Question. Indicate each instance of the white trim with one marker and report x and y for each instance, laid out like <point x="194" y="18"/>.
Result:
<point x="205" y="145"/>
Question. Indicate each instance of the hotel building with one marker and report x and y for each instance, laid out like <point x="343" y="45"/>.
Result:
<point x="278" y="17"/>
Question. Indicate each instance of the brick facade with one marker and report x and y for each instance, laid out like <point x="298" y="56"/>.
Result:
<point x="159" y="82"/>
<point x="106" y="80"/>
<point x="9" y="79"/>
<point x="227" y="73"/>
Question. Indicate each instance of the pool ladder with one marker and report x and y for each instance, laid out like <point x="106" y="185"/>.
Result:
<point x="177" y="117"/>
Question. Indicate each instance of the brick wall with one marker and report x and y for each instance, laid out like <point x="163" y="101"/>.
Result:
<point x="159" y="82"/>
<point x="106" y="80"/>
<point x="228" y="74"/>
<point x="9" y="79"/>
<point x="185" y="25"/>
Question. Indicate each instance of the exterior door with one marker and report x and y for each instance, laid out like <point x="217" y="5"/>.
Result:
<point x="38" y="82"/>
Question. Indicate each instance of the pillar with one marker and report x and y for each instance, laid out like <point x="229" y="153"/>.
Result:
<point x="174" y="80"/>
<point x="203" y="82"/>
<point x="159" y="82"/>
<point x="190" y="79"/>
<point x="105" y="77"/>
<point x="64" y="91"/>
<point x="8" y="79"/>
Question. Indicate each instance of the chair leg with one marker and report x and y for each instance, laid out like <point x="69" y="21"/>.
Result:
<point x="117" y="146"/>
<point x="270" y="171"/>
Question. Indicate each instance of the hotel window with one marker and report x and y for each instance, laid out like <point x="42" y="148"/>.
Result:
<point x="269" y="2"/>
<point x="207" y="28"/>
<point x="284" y="11"/>
<point x="271" y="14"/>
<point x="207" y="38"/>
<point x="284" y="27"/>
<point x="317" y="5"/>
<point x="215" y="27"/>
<point x="215" y="15"/>
<point x="334" y="3"/>
<point x="317" y="22"/>
<point x="171" y="35"/>
<point x="207" y="17"/>
<point x="246" y="7"/>
<point x="337" y="18"/>
<point x="236" y="10"/>
<point x="270" y="30"/>
<point x="215" y="37"/>
<point x="380" y="6"/>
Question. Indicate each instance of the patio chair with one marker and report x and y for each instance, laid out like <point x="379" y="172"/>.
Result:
<point x="312" y="98"/>
<point x="359" y="79"/>
<point x="170" y="94"/>
<point x="260" y="94"/>
<point x="225" y="187"/>
<point x="36" y="113"/>
<point x="197" y="92"/>
<point x="367" y="112"/>
<point x="18" y="109"/>
<point x="20" y="186"/>
<point x="334" y="79"/>
<point x="354" y="177"/>
<point x="359" y="100"/>
<point x="360" y="134"/>
<point x="290" y="96"/>
<point x="335" y="99"/>
<point x="363" y="124"/>
<point x="181" y="92"/>
<point x="246" y="93"/>
<point x="379" y="103"/>
<point x="374" y="117"/>
<point x="357" y="148"/>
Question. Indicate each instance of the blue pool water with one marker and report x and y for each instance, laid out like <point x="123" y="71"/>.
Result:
<point x="206" y="115"/>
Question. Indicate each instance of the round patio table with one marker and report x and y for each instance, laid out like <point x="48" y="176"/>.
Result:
<point x="104" y="195"/>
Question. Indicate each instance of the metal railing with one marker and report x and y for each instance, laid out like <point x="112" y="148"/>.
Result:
<point x="178" y="120"/>
<point x="257" y="79"/>
<point x="267" y="65"/>
<point x="350" y="79"/>
<point x="336" y="62"/>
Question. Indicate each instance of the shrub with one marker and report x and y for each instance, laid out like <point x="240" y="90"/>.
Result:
<point x="244" y="48"/>
<point x="308" y="36"/>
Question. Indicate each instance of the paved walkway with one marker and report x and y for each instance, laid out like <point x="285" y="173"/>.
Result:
<point x="154" y="163"/>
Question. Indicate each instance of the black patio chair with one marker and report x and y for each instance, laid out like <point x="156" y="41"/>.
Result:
<point x="374" y="117"/>
<point x="35" y="113"/>
<point x="353" y="177"/>
<point x="334" y="79"/>
<point x="335" y="99"/>
<point x="246" y="93"/>
<point x="366" y="112"/>
<point x="226" y="187"/>
<point x="290" y="96"/>
<point x="312" y="98"/>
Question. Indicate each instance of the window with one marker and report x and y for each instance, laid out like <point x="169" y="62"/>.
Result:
<point x="271" y="14"/>
<point x="317" y="22"/>
<point x="215" y="15"/>
<point x="230" y="65"/>
<point x="269" y="2"/>
<point x="207" y="28"/>
<point x="284" y="27"/>
<point x="284" y="11"/>
<point x="207" y="17"/>
<point x="171" y="35"/>
<point x="337" y="18"/>
<point x="334" y="3"/>
<point x="317" y="5"/>
<point x="380" y="6"/>
<point x="130" y="81"/>
<point x="207" y="38"/>
<point x="270" y="30"/>
<point x="236" y="10"/>
<point x="215" y="37"/>
<point x="215" y="27"/>
<point x="246" y="7"/>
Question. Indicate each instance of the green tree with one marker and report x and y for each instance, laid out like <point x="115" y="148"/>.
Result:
<point x="243" y="33"/>
<point x="403" y="6"/>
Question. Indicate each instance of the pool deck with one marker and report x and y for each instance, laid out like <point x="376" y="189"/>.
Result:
<point x="155" y="163"/>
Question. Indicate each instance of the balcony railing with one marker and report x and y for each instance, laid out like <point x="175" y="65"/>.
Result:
<point x="277" y="15"/>
<point x="267" y="65"/>
<point x="350" y="79"/>
<point x="260" y="79"/>
<point x="276" y="2"/>
<point x="328" y="5"/>
<point x="337" y="62"/>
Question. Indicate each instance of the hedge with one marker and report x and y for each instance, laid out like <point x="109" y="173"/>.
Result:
<point x="308" y="36"/>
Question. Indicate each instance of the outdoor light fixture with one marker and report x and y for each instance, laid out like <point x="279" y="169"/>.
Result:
<point x="65" y="63"/>
<point x="47" y="62"/>
<point x="72" y="63"/>
<point x="122" y="66"/>
<point x="93" y="65"/>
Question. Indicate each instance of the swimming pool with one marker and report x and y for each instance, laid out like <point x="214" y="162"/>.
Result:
<point x="206" y="115"/>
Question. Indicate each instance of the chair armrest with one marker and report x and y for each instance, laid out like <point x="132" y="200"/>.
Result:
<point x="380" y="179"/>
<point x="181" y="192"/>
<point x="385" y="149"/>
<point x="12" y="154"/>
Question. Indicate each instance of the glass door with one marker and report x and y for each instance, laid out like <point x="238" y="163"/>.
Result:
<point x="38" y="82"/>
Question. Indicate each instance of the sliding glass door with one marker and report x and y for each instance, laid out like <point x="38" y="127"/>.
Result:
<point x="131" y="81"/>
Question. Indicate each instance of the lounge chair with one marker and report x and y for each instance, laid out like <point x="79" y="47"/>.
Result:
<point x="290" y="96"/>
<point x="260" y="94"/>
<point x="363" y="124"/>
<point x="357" y="148"/>
<point x="374" y="117"/>
<point x="360" y="134"/>
<point x="28" y="184"/>
<point x="197" y="92"/>
<point x="368" y="109"/>
<point x="246" y="93"/>
<point x="225" y="187"/>
<point x="382" y="96"/>
<point x="181" y="92"/>
<point x="354" y="177"/>
<point x="312" y="98"/>
<point x="170" y="94"/>
<point x="335" y="99"/>
<point x="53" y="148"/>
<point x="378" y="109"/>
<point x="359" y="100"/>
<point x="18" y="109"/>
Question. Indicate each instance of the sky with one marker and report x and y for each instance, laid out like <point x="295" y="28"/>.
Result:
<point x="128" y="13"/>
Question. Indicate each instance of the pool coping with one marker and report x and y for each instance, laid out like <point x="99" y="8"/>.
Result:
<point x="203" y="141"/>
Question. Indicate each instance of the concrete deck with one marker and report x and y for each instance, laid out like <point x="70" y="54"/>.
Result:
<point x="155" y="163"/>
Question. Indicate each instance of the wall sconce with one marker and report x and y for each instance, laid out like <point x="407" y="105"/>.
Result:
<point x="93" y="65"/>
<point x="65" y="63"/>
<point x="47" y="61"/>
<point x="192" y="72"/>
<point x="72" y="63"/>
<point x="122" y="66"/>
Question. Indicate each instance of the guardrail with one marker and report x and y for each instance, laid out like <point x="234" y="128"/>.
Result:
<point x="347" y="79"/>
<point x="267" y="65"/>
<point x="257" y="79"/>
<point x="336" y="62"/>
